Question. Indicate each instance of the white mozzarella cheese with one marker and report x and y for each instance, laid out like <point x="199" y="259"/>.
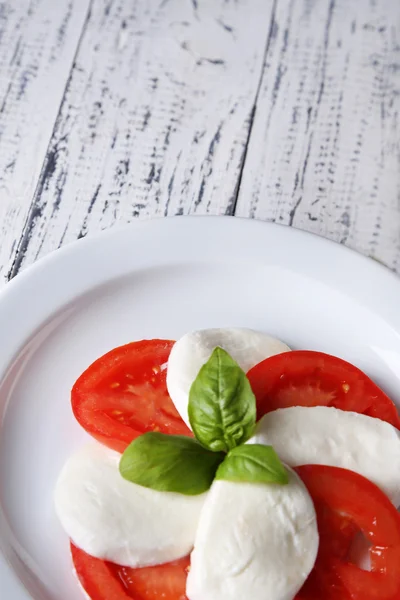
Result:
<point x="113" y="519"/>
<point x="189" y="354"/>
<point x="329" y="436"/>
<point x="256" y="541"/>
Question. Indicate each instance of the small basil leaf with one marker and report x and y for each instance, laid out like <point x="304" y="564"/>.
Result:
<point x="253" y="463"/>
<point x="222" y="406"/>
<point x="169" y="463"/>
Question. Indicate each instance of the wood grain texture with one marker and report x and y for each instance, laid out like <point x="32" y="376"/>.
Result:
<point x="155" y="119"/>
<point x="38" y="39"/>
<point x="324" y="152"/>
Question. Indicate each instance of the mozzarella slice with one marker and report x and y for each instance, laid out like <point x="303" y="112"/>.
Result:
<point x="189" y="354"/>
<point x="328" y="436"/>
<point x="113" y="519"/>
<point x="254" y="541"/>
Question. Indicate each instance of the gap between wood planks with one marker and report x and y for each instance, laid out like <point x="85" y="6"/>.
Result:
<point x="324" y="152"/>
<point x="34" y="211"/>
<point x="37" y="45"/>
<point x="253" y="110"/>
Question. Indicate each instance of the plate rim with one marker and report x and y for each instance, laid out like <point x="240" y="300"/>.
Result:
<point x="99" y="236"/>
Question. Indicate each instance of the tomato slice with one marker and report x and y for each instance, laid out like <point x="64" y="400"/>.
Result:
<point x="349" y="499"/>
<point x="102" y="580"/>
<point x="306" y="378"/>
<point x="124" y="394"/>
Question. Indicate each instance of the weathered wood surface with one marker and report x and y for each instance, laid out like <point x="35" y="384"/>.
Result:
<point x="286" y="110"/>
<point x="324" y="151"/>
<point x="155" y="118"/>
<point x="38" y="40"/>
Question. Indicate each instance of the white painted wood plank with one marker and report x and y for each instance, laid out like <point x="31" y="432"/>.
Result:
<point x="155" y="119"/>
<point x="38" y="39"/>
<point x="324" y="153"/>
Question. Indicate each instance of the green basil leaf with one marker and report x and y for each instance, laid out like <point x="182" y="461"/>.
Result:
<point x="169" y="463"/>
<point x="253" y="463"/>
<point x="222" y="406"/>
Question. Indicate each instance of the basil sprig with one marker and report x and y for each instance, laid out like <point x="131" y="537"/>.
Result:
<point x="222" y="413"/>
<point x="222" y="406"/>
<point x="170" y="463"/>
<point x="254" y="463"/>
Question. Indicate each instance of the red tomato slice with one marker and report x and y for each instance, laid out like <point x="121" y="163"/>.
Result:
<point x="124" y="394"/>
<point x="105" y="581"/>
<point x="306" y="378"/>
<point x="336" y="529"/>
<point x="350" y="498"/>
<point x="322" y="584"/>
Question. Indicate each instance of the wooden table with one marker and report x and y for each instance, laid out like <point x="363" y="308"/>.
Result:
<point x="283" y="110"/>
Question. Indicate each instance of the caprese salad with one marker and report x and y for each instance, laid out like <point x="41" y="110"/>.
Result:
<point x="227" y="466"/>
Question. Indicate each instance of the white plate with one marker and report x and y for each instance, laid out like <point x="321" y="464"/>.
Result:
<point x="158" y="279"/>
